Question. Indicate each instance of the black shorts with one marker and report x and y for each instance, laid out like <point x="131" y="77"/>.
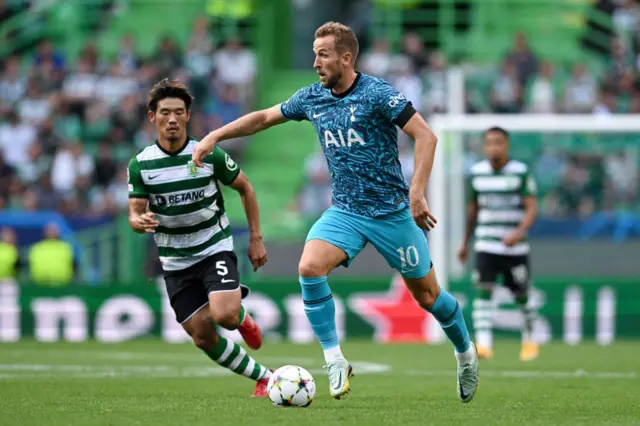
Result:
<point x="189" y="289"/>
<point x="513" y="269"/>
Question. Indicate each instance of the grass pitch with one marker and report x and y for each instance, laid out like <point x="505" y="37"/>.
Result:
<point x="153" y="383"/>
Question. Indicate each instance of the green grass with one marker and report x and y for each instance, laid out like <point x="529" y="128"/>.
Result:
<point x="153" y="383"/>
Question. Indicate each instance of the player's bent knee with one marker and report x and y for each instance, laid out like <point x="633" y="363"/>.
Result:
<point x="425" y="290"/>
<point x="427" y="297"/>
<point x="205" y="341"/>
<point x="202" y="331"/>
<point x="311" y="269"/>
<point x="319" y="258"/>
<point x="228" y="318"/>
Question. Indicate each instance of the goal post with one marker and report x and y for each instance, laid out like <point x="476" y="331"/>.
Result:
<point x="446" y="191"/>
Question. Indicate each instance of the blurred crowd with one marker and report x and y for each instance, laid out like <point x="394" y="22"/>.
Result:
<point x="526" y="83"/>
<point x="69" y="126"/>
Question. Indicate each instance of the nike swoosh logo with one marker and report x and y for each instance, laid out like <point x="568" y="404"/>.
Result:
<point x="224" y="281"/>
<point x="153" y="177"/>
<point x="318" y="115"/>
<point x="462" y="394"/>
<point x="406" y="271"/>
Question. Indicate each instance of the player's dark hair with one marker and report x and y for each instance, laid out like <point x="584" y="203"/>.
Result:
<point x="346" y="39"/>
<point x="498" y="129"/>
<point x="169" y="89"/>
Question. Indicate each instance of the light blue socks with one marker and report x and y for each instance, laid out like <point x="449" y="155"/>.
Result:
<point x="321" y="310"/>
<point x="448" y="313"/>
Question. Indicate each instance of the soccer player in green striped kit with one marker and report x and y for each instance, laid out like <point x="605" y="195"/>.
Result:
<point x="502" y="207"/>
<point x="182" y="205"/>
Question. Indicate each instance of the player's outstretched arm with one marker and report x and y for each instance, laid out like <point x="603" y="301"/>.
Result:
<point x="257" y="252"/>
<point x="246" y="125"/>
<point x="425" y="149"/>
<point x="140" y="220"/>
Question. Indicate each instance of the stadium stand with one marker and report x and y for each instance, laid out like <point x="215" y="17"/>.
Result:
<point x="74" y="79"/>
<point x="73" y="106"/>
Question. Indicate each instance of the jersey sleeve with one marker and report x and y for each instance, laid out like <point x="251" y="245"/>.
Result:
<point x="529" y="185"/>
<point x="135" y="184"/>
<point x="393" y="105"/>
<point x="294" y="107"/>
<point x="224" y="168"/>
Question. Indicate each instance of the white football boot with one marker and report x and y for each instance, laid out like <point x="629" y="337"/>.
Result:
<point x="468" y="378"/>
<point x="339" y="374"/>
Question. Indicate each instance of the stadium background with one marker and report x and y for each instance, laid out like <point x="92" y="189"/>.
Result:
<point x="72" y="103"/>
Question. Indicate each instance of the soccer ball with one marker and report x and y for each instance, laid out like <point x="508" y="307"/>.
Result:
<point x="291" y="386"/>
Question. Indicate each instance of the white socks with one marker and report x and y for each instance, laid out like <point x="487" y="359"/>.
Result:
<point x="467" y="356"/>
<point x="333" y="354"/>
<point x="482" y="315"/>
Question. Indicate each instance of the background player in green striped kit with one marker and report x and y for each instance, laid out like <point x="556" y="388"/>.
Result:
<point x="193" y="234"/>
<point x="502" y="207"/>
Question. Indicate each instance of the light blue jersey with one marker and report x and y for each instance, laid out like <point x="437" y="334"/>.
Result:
<point x="358" y="133"/>
<point x="359" y="136"/>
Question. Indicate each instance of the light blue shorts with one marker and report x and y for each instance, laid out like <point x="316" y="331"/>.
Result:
<point x="396" y="237"/>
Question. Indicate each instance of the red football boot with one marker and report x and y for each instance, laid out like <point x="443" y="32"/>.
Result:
<point x="261" y="389"/>
<point x="250" y="332"/>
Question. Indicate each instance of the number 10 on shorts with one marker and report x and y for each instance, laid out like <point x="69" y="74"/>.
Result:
<point x="408" y="256"/>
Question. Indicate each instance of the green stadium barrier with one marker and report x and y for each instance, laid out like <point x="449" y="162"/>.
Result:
<point x="382" y="310"/>
<point x="473" y="32"/>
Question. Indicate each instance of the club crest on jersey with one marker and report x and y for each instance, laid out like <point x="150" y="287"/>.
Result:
<point x="192" y="169"/>
<point x="231" y="165"/>
<point x="353" y="109"/>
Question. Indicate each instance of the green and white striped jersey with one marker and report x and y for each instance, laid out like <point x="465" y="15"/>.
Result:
<point x="186" y="201"/>
<point x="500" y="196"/>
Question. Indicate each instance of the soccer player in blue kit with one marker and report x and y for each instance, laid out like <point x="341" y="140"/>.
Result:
<point x="355" y="116"/>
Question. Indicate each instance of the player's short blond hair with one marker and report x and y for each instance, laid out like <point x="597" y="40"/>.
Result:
<point x="345" y="38"/>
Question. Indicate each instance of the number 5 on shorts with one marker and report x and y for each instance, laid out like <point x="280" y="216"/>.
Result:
<point x="221" y="268"/>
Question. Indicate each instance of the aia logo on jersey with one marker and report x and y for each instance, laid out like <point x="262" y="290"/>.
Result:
<point x="339" y="141"/>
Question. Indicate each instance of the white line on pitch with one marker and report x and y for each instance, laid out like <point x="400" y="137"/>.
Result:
<point x="24" y="371"/>
<point x="151" y="371"/>
<point x="146" y="356"/>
